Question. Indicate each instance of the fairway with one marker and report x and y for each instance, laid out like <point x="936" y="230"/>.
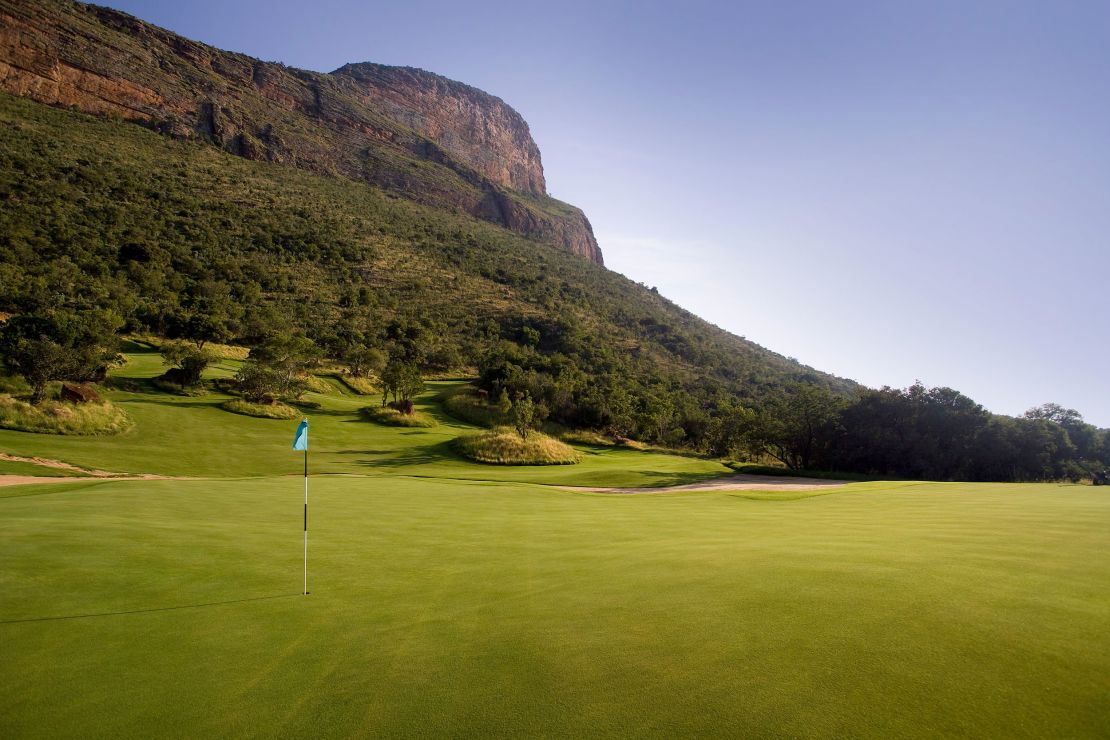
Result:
<point x="451" y="598"/>
<point x="475" y="609"/>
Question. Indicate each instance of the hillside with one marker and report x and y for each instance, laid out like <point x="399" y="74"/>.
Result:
<point x="427" y="138"/>
<point x="101" y="213"/>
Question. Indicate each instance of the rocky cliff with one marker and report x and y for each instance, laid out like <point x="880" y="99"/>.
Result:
<point x="422" y="136"/>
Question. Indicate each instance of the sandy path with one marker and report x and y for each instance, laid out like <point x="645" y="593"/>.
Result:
<point x="731" y="483"/>
<point x="86" y="474"/>
<point x="21" y="480"/>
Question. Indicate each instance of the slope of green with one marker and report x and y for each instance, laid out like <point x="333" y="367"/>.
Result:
<point x="194" y="436"/>
<point x="447" y="608"/>
<point x="101" y="213"/>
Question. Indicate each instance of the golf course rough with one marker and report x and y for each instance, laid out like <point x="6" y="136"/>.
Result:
<point x="452" y="598"/>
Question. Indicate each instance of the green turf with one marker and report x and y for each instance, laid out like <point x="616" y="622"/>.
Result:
<point x="457" y="599"/>
<point x="469" y="609"/>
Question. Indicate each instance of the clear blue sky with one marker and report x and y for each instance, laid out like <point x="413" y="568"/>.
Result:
<point x="888" y="191"/>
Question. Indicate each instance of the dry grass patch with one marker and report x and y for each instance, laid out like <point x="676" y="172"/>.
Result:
<point x="393" y="417"/>
<point x="361" y="386"/>
<point x="57" y="417"/>
<point x="503" y="446"/>
<point x="261" y="410"/>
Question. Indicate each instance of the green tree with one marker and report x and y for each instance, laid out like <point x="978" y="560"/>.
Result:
<point x="504" y="404"/>
<point x="797" y="427"/>
<point x="523" y="415"/>
<point x="362" y="360"/>
<point x="401" y="380"/>
<point x="58" y="346"/>
<point x="189" y="359"/>
<point x="289" y="356"/>
<point x="259" y="383"/>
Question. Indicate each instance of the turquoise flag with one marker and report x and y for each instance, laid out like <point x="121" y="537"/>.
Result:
<point x="300" y="442"/>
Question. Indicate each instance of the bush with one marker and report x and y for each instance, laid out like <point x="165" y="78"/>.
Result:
<point x="393" y="417"/>
<point x="57" y="417"/>
<point x="503" y="446"/>
<point x="261" y="410"/>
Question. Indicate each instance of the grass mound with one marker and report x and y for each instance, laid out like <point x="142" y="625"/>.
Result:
<point x="261" y="410"/>
<point x="503" y="446"/>
<point x="361" y="386"/>
<point x="465" y="405"/>
<point x="393" y="417"/>
<point x="57" y="417"/>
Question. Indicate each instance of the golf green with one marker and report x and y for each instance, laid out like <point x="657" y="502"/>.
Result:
<point x="465" y="608"/>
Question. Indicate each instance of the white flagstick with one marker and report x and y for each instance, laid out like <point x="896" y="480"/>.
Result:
<point x="306" y="520"/>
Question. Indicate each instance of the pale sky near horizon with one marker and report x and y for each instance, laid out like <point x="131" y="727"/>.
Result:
<point x="887" y="191"/>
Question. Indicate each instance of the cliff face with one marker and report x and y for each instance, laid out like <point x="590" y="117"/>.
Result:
<point x="489" y="135"/>
<point x="422" y="136"/>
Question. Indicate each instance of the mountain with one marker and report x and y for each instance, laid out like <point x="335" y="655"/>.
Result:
<point x="182" y="189"/>
<point x="428" y="138"/>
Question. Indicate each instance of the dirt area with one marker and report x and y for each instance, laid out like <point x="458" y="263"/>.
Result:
<point x="20" y="480"/>
<point x="731" y="483"/>
<point x="86" y="474"/>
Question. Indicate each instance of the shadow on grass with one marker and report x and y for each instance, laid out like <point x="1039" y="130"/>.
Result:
<point x="145" y="611"/>
<point x="394" y="459"/>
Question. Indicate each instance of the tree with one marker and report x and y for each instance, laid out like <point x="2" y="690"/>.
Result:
<point x="504" y="404"/>
<point x="401" y="380"/>
<point x="259" y="383"/>
<point x="362" y="360"/>
<point x="58" y="346"/>
<point x="523" y="415"/>
<point x="190" y="361"/>
<point x="288" y="356"/>
<point x="797" y="427"/>
<point x="409" y="383"/>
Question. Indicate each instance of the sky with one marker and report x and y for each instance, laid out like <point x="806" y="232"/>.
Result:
<point x="888" y="191"/>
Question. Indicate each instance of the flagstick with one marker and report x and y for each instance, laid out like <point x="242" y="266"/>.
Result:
<point x="306" y="520"/>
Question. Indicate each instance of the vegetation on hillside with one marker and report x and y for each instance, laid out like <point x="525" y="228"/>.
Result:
<point x="109" y="227"/>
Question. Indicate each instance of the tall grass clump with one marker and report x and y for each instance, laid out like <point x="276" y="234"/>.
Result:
<point x="357" y="384"/>
<point x="465" y="405"/>
<point x="503" y="446"/>
<point x="393" y="417"/>
<point x="261" y="410"/>
<point x="58" y="417"/>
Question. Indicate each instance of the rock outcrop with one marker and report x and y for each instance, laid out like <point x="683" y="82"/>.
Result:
<point x="486" y="133"/>
<point x="427" y="138"/>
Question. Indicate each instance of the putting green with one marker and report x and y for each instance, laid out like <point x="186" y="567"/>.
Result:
<point x="439" y="607"/>
<point x="453" y="598"/>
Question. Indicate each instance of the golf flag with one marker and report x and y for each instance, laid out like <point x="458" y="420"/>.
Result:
<point x="300" y="441"/>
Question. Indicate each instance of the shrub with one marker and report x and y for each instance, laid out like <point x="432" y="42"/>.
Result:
<point x="503" y="446"/>
<point x="57" y="417"/>
<point x="274" y="410"/>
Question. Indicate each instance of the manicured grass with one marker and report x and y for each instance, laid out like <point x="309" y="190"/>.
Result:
<point x="503" y="446"/>
<point x="448" y="608"/>
<point x="452" y="598"/>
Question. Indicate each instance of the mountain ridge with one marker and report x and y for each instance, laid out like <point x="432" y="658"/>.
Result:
<point x="430" y="139"/>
